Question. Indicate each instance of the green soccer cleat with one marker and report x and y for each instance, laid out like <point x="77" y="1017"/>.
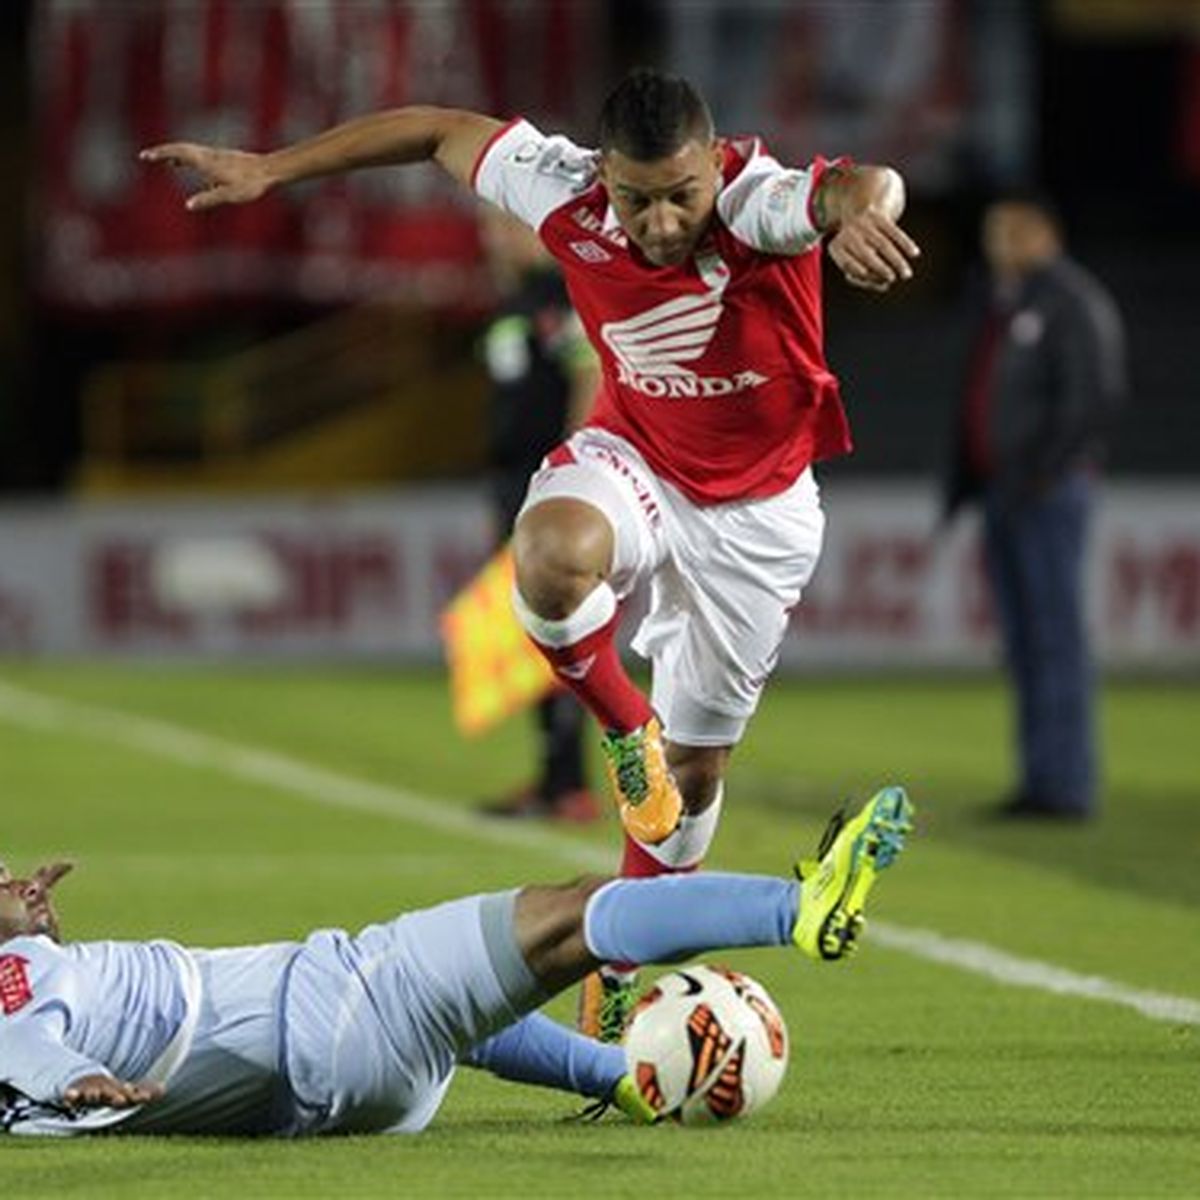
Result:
<point x="834" y="886"/>
<point x="606" y="1003"/>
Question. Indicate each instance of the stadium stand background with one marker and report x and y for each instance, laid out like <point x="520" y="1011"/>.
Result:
<point x="1105" y="113"/>
<point x="310" y="363"/>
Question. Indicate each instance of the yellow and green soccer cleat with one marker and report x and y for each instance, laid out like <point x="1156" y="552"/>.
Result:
<point x="834" y="886"/>
<point x="627" y="1096"/>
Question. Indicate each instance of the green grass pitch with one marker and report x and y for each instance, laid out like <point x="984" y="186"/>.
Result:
<point x="908" y="1077"/>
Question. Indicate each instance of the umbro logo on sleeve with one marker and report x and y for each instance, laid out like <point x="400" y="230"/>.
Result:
<point x="590" y="252"/>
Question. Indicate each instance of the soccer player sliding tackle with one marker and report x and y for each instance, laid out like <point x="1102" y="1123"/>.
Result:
<point x="694" y="263"/>
<point x="362" y="1033"/>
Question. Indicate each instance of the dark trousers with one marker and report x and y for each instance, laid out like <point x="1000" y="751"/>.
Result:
<point x="1034" y="552"/>
<point x="560" y="721"/>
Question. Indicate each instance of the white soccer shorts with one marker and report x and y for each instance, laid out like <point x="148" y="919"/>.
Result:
<point x="723" y="578"/>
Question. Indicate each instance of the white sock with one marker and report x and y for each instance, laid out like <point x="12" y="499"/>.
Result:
<point x="598" y="607"/>
<point x="688" y="845"/>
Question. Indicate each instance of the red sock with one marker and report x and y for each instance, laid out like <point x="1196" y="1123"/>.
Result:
<point x="638" y="863"/>
<point x="592" y="669"/>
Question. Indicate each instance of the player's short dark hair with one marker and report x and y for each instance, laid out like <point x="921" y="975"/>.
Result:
<point x="651" y="115"/>
<point x="1034" y="197"/>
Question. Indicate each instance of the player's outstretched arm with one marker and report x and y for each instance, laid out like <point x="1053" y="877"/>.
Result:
<point x="450" y="137"/>
<point x="861" y="206"/>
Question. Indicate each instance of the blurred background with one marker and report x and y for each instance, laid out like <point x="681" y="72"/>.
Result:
<point x="261" y="436"/>
<point x="304" y="374"/>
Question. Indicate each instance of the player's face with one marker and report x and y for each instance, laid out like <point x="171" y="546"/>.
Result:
<point x="20" y="915"/>
<point x="26" y="909"/>
<point x="1016" y="237"/>
<point x="665" y="205"/>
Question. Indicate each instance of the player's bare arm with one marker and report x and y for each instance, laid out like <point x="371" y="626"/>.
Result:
<point x="862" y="206"/>
<point x="585" y="383"/>
<point x="452" y="138"/>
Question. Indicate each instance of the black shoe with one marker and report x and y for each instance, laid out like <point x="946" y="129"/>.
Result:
<point x="1023" y="807"/>
<point x="578" y="806"/>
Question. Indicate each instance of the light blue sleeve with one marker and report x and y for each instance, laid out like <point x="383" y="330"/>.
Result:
<point x="39" y="992"/>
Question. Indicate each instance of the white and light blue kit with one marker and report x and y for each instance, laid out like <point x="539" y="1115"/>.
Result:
<point x="337" y="1033"/>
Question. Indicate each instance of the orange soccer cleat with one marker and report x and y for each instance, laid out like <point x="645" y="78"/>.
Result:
<point x="646" y="794"/>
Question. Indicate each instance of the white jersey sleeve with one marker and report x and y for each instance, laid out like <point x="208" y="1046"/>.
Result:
<point x="769" y="206"/>
<point x="529" y="174"/>
<point x="39" y="996"/>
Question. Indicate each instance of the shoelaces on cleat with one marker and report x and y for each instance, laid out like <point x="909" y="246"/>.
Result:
<point x="835" y="826"/>
<point x="591" y="1111"/>
<point x="626" y="753"/>
<point x="616" y="1003"/>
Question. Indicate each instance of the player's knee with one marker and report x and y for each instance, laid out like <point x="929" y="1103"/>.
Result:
<point x="562" y="549"/>
<point x="573" y="901"/>
<point x="584" y="888"/>
<point x="549" y="930"/>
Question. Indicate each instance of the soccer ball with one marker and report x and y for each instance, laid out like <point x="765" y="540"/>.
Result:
<point x="706" y="1044"/>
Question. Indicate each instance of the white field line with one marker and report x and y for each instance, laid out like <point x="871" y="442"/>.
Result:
<point x="982" y="959"/>
<point x="283" y="773"/>
<point x="33" y="710"/>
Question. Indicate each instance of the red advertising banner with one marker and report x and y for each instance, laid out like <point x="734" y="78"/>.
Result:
<point x="111" y="78"/>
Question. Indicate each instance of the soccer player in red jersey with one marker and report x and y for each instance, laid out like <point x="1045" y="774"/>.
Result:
<point x="694" y="263"/>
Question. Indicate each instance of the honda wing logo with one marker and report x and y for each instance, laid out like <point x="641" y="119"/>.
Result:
<point x="654" y="348"/>
<point x="659" y="341"/>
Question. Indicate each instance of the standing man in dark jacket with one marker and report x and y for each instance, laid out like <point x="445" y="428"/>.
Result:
<point x="544" y="377"/>
<point x="1046" y="373"/>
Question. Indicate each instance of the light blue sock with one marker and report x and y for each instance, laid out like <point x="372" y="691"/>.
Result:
<point x="541" y="1051"/>
<point x="672" y="917"/>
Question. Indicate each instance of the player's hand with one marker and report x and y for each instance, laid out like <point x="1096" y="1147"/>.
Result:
<point x="103" y="1091"/>
<point x="229" y="176"/>
<point x="872" y="251"/>
<point x="46" y="877"/>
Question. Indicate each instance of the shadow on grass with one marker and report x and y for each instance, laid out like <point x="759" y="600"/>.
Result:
<point x="1146" y="844"/>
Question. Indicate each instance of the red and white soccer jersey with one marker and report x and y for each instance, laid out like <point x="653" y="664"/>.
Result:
<point x="713" y="369"/>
